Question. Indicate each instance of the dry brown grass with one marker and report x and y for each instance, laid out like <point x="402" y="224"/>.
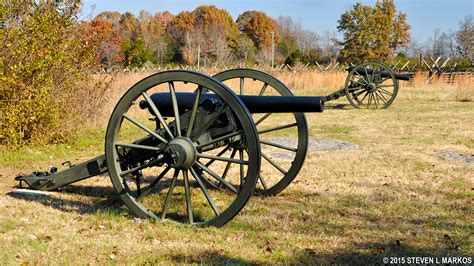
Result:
<point x="393" y="197"/>
<point x="318" y="83"/>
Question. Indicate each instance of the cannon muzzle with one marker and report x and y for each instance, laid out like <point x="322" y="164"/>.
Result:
<point x="255" y="104"/>
<point x="367" y="71"/>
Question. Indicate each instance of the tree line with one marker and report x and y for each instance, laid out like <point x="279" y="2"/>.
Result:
<point x="209" y="35"/>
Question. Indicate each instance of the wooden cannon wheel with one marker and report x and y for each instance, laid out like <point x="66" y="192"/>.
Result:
<point x="365" y="87"/>
<point x="278" y="171"/>
<point x="172" y="180"/>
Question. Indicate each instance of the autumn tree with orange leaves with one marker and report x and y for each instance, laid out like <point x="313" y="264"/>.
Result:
<point x="108" y="41"/>
<point x="259" y="27"/>
<point x="208" y="29"/>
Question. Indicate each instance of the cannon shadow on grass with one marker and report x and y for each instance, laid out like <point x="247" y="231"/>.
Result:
<point x="108" y="199"/>
<point x="311" y="257"/>
<point x="211" y="257"/>
<point x="381" y="251"/>
<point x="338" y="106"/>
<point x="105" y="199"/>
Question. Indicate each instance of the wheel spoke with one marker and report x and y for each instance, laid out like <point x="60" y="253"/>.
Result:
<point x="209" y="123"/>
<point x="386" y="92"/>
<point x="277" y="128"/>
<point x="363" y="98"/>
<point x="205" y="192"/>
<point x="375" y="100"/>
<point x="385" y="86"/>
<point x="262" y="118"/>
<point x="153" y="184"/>
<point x="216" y="176"/>
<point x="219" y="154"/>
<point x="357" y="81"/>
<point x="274" y="164"/>
<point x="241" y="86"/>
<point x="137" y="146"/>
<point x="142" y="126"/>
<point x="157" y="113"/>
<point x="228" y="136"/>
<point x="381" y="97"/>
<point x="188" y="196"/>
<point x="194" y="111"/>
<point x="241" y="170"/>
<point x="227" y="167"/>
<point x="175" y="108"/>
<point x="354" y="89"/>
<point x="358" y="93"/>
<point x="367" y="75"/>
<point x="368" y="101"/>
<point x="279" y="146"/>
<point x="383" y="80"/>
<point x="361" y="76"/>
<point x="225" y="159"/>
<point x="148" y="164"/>
<point x="262" y="91"/>
<point x="170" y="192"/>
<point x="264" y="184"/>
<point x="377" y="94"/>
<point x="138" y="182"/>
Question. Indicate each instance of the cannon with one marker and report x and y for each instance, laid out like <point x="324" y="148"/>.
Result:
<point x="192" y="148"/>
<point x="371" y="85"/>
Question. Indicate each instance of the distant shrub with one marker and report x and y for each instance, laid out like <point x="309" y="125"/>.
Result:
<point x="293" y="57"/>
<point x="47" y="88"/>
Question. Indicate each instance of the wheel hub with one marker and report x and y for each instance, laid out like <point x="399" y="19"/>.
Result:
<point x="180" y="153"/>
<point x="372" y="87"/>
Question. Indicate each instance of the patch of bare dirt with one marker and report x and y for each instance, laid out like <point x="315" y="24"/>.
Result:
<point x="314" y="144"/>
<point x="455" y="156"/>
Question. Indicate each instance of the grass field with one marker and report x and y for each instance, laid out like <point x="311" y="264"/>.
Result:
<point x="392" y="197"/>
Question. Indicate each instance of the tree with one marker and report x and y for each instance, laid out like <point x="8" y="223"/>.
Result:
<point x="437" y="47"/>
<point x="308" y="40"/>
<point x="129" y="26"/>
<point x="108" y="41"/>
<point x="111" y="16"/>
<point x="373" y="32"/>
<point x="329" y="46"/>
<point x="294" y="57"/>
<point x="465" y="38"/>
<point x="47" y="66"/>
<point x="212" y="20"/>
<point x="288" y="33"/>
<point x="159" y="21"/>
<point x="297" y="44"/>
<point x="152" y="30"/>
<point x="136" y="54"/>
<point x="208" y="29"/>
<point x="259" y="27"/>
<point x="245" y="48"/>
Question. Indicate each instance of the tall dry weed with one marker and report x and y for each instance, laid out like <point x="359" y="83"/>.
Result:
<point x="322" y="83"/>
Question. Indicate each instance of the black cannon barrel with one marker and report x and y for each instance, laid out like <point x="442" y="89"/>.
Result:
<point x="255" y="104"/>
<point x="283" y="104"/>
<point x="362" y="71"/>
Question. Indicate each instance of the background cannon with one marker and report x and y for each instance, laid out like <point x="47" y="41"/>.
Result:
<point x="371" y="85"/>
<point x="189" y="147"/>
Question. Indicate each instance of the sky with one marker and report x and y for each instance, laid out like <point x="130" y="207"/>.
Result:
<point x="424" y="16"/>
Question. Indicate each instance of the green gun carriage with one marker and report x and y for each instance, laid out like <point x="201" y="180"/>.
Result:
<point x="192" y="148"/>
